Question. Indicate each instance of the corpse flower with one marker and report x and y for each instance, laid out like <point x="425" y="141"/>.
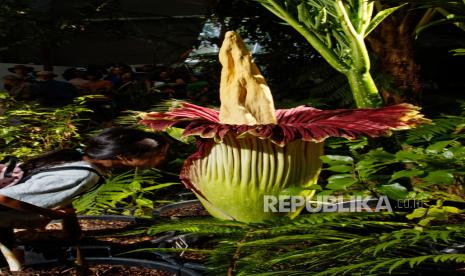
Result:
<point x="249" y="150"/>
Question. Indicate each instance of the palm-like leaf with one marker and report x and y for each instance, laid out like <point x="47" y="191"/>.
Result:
<point x="452" y="11"/>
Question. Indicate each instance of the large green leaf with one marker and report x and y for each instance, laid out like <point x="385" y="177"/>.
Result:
<point x="337" y="159"/>
<point x="439" y="146"/>
<point x="439" y="177"/>
<point x="405" y="173"/>
<point x="340" y="168"/>
<point x="394" y="191"/>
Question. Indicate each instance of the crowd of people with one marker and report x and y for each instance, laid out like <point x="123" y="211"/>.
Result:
<point x="121" y="86"/>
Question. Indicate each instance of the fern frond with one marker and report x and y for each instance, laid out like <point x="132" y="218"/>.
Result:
<point x="203" y="226"/>
<point x="441" y="128"/>
<point x="126" y="190"/>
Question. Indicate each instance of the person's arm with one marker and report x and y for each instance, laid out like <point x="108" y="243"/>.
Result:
<point x="67" y="214"/>
<point x="29" y="208"/>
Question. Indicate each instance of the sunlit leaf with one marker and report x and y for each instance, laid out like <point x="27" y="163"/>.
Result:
<point x="337" y="159"/>
<point x="417" y="213"/>
<point x="394" y="191"/>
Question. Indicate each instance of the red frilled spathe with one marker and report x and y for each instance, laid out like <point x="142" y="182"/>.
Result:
<point x="305" y="123"/>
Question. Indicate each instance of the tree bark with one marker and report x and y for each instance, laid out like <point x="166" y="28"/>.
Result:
<point x="393" y="44"/>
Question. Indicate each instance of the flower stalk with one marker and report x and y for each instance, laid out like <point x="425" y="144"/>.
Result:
<point x="336" y="29"/>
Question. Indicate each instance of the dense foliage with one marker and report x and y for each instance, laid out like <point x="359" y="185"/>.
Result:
<point x="429" y="163"/>
<point x="326" y="244"/>
<point x="29" y="129"/>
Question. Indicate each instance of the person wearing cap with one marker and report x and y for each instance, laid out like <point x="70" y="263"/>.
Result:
<point x="19" y="89"/>
<point x="51" y="92"/>
<point x="23" y="72"/>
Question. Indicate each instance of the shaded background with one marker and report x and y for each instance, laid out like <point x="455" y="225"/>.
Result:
<point x="74" y="32"/>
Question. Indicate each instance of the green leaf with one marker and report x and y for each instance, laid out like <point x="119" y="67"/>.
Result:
<point x="176" y="133"/>
<point x="325" y="193"/>
<point x="340" y="182"/>
<point x="451" y="209"/>
<point x="405" y="173"/>
<point x="459" y="150"/>
<point x="4" y="95"/>
<point x="417" y="213"/>
<point x="425" y="221"/>
<point x="380" y="155"/>
<point x="304" y="16"/>
<point x="293" y="191"/>
<point x="437" y="213"/>
<point x="358" y="144"/>
<point x="315" y="187"/>
<point x="439" y="177"/>
<point x="159" y="186"/>
<point x="337" y="159"/>
<point x="458" y="52"/>
<point x="409" y="156"/>
<point x="144" y="202"/>
<point x="340" y="168"/>
<point x="439" y="146"/>
<point x="135" y="186"/>
<point x="451" y="20"/>
<point x="379" y="17"/>
<point x="394" y="191"/>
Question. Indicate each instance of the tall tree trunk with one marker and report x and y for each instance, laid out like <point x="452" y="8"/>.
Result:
<point x="393" y="44"/>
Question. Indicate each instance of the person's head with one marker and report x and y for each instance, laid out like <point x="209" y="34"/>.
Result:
<point x="165" y="75"/>
<point x="112" y="147"/>
<point x="44" y="75"/>
<point x="94" y="75"/>
<point x="120" y="146"/>
<point x="127" y="77"/>
<point x="10" y="81"/>
<point x="119" y="69"/>
<point x="80" y="72"/>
